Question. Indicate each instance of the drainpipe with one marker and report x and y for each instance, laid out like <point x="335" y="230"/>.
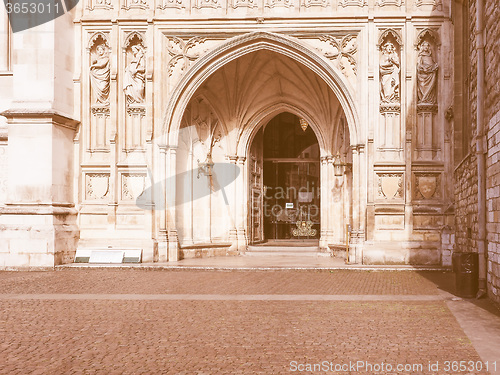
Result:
<point x="481" y="151"/>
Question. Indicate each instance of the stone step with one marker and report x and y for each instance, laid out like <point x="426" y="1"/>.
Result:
<point x="283" y="248"/>
<point x="283" y="251"/>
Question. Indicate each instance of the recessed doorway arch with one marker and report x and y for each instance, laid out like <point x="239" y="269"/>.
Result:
<point x="245" y="93"/>
<point x="284" y="177"/>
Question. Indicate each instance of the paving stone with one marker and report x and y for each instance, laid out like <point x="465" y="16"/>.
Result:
<point x="91" y="336"/>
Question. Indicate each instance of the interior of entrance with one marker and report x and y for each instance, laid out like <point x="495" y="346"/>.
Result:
<point x="291" y="204"/>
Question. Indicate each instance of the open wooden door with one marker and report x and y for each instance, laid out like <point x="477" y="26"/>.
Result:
<point x="256" y="189"/>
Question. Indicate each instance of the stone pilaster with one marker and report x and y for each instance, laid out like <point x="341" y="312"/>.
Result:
<point x="39" y="215"/>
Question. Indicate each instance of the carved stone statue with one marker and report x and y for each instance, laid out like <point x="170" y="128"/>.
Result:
<point x="100" y="74"/>
<point x="426" y="75"/>
<point x="134" y="79"/>
<point x="389" y="74"/>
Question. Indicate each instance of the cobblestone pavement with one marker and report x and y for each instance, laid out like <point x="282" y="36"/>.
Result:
<point x="86" y="335"/>
<point x="128" y="281"/>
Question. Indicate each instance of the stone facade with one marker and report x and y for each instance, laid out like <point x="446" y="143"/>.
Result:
<point x="493" y="204"/>
<point x="466" y="205"/>
<point x="492" y="119"/>
<point x="477" y="208"/>
<point x="116" y="140"/>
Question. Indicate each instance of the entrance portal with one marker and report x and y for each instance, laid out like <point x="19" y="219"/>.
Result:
<point x="291" y="179"/>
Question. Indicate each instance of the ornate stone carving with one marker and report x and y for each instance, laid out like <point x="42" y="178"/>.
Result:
<point x="134" y="79"/>
<point x="427" y="70"/>
<point x="278" y="3"/>
<point x="427" y="185"/>
<point x="99" y="69"/>
<point x="310" y="3"/>
<point x="135" y="4"/>
<point x="389" y="74"/>
<point x="344" y="50"/>
<point x="99" y="4"/>
<point x="97" y="185"/>
<point x="436" y="4"/>
<point x="448" y="115"/>
<point x="181" y="52"/>
<point x="166" y="4"/>
<point x="382" y="3"/>
<point x="136" y="110"/>
<point x="390" y="107"/>
<point x="390" y="185"/>
<point x="243" y="4"/>
<point x="359" y="3"/>
<point x="98" y="110"/>
<point x="213" y="4"/>
<point x="133" y="184"/>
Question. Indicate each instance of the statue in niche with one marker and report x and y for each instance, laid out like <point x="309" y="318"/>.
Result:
<point x="389" y="74"/>
<point x="135" y="79"/>
<point x="426" y="75"/>
<point x="100" y="74"/>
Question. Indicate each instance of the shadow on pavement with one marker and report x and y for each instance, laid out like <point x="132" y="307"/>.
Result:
<point x="445" y="281"/>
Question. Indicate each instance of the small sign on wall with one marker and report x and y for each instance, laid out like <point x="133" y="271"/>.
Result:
<point x="288" y="205"/>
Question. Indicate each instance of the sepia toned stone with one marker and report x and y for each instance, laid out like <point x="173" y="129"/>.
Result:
<point x="146" y="121"/>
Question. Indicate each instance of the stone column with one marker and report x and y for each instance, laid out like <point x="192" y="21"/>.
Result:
<point x="325" y="202"/>
<point x="170" y="187"/>
<point x="333" y="235"/>
<point x="426" y="142"/>
<point x="233" y="201"/>
<point x="362" y="203"/>
<point x="160" y="204"/>
<point x="355" y="204"/>
<point x="390" y="147"/>
<point x="242" y="189"/>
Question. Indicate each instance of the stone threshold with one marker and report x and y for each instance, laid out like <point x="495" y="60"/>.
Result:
<point x="167" y="266"/>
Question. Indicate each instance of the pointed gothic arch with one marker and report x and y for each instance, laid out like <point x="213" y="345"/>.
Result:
<point x="239" y="46"/>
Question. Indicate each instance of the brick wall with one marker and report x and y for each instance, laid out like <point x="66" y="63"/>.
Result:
<point x="465" y="177"/>
<point x="465" y="180"/>
<point x="492" y="57"/>
<point x="493" y="205"/>
<point x="492" y="118"/>
<point x="466" y="173"/>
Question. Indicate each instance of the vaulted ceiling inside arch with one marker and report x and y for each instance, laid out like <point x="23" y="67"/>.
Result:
<point x="248" y="85"/>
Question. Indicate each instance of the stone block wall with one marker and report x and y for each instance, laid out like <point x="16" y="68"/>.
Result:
<point x="492" y="113"/>
<point x="466" y="204"/>
<point x="466" y="172"/>
<point x="493" y="204"/>
<point x="492" y="57"/>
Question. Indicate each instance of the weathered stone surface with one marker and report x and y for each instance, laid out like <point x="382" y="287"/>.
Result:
<point x="199" y="96"/>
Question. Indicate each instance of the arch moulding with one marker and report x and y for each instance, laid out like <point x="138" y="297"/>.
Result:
<point x="264" y="115"/>
<point x="245" y="44"/>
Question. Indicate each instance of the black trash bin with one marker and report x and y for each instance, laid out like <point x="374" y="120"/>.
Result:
<point x="466" y="269"/>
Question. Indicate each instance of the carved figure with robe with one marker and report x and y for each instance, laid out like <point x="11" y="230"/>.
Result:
<point x="389" y="74"/>
<point x="427" y="70"/>
<point x="100" y="75"/>
<point x="134" y="79"/>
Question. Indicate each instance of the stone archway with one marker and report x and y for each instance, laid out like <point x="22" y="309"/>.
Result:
<point x="284" y="183"/>
<point x="247" y="81"/>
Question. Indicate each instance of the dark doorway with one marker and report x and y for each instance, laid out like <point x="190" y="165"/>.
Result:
<point x="291" y="207"/>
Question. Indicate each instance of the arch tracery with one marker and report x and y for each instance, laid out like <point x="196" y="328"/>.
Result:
<point x="243" y="45"/>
